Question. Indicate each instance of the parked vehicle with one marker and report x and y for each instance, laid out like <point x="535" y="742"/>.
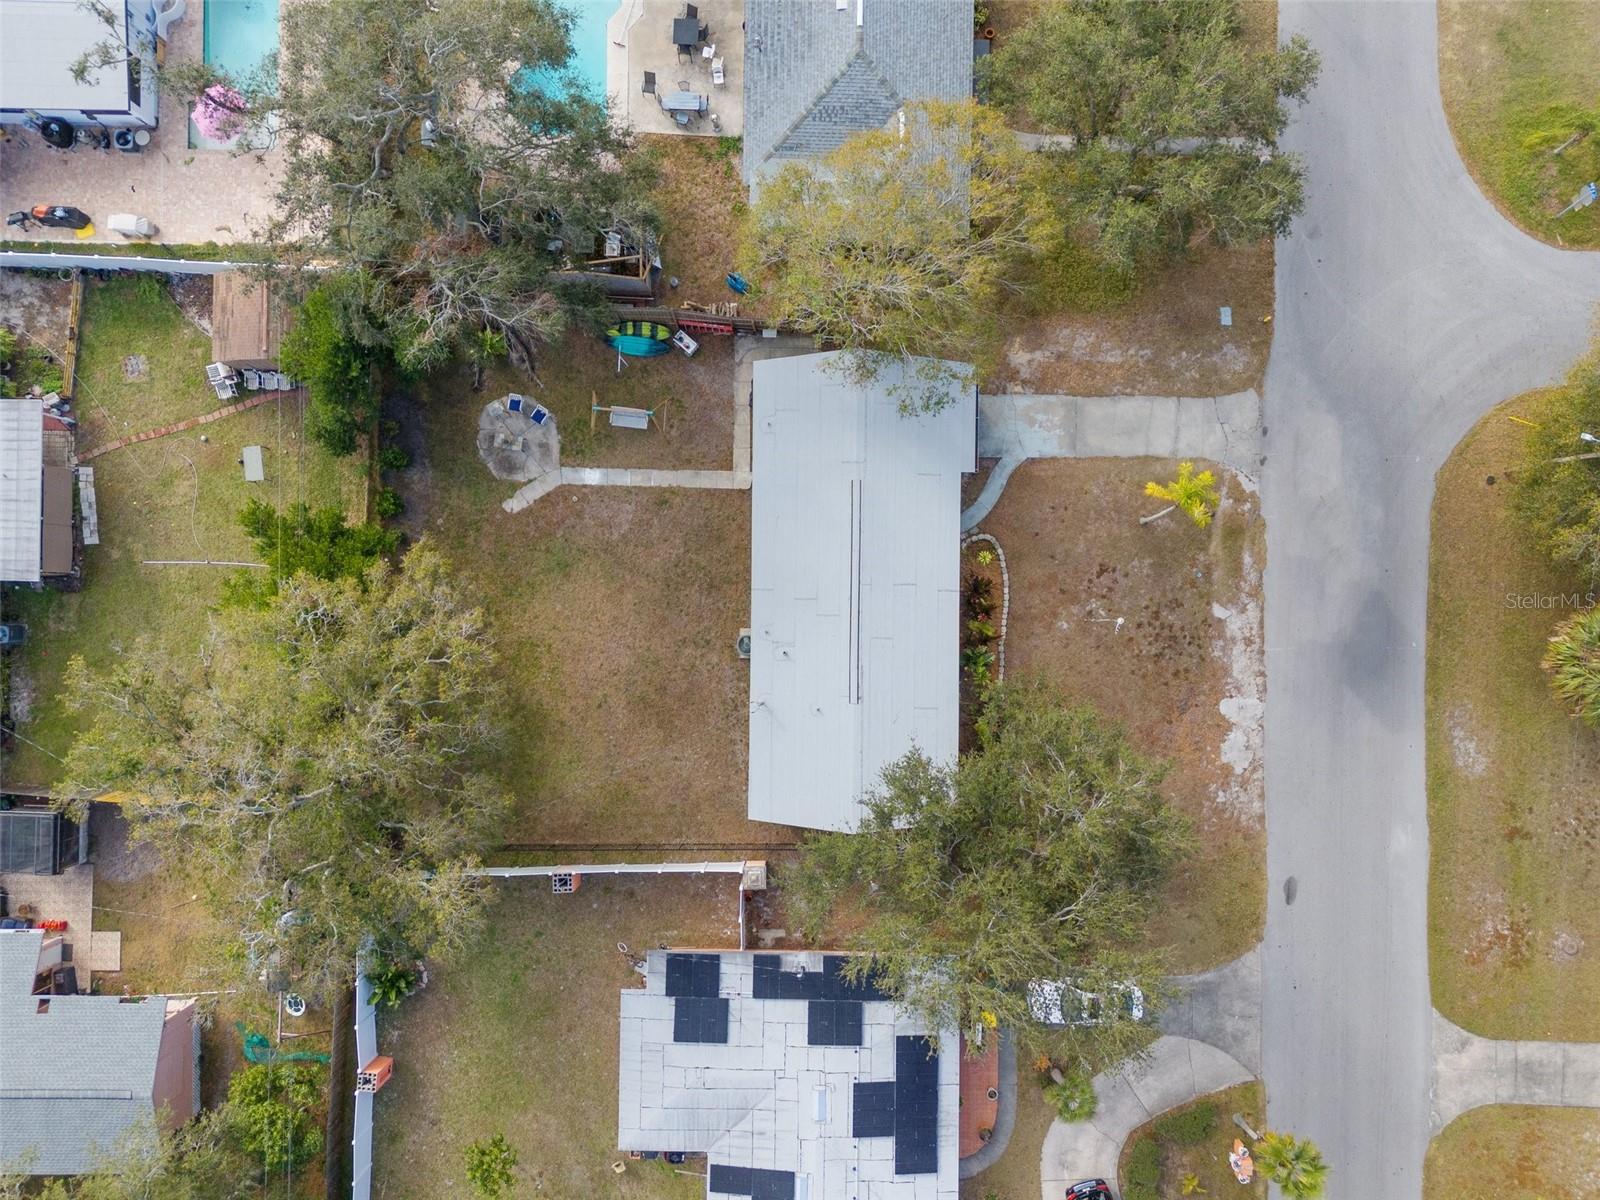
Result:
<point x="12" y="634"/>
<point x="1090" y="1189"/>
<point x="1054" y="1002"/>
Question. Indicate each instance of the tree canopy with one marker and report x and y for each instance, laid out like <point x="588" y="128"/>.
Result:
<point x="1557" y="490"/>
<point x="319" y="543"/>
<point x="320" y="763"/>
<point x="898" y="243"/>
<point x="440" y="147"/>
<point x="1036" y="857"/>
<point x="1171" y="121"/>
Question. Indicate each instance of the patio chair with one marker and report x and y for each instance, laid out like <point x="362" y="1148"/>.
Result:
<point x="719" y="77"/>
<point x="649" y="83"/>
<point x="708" y="51"/>
<point x="705" y="33"/>
<point x="690" y="12"/>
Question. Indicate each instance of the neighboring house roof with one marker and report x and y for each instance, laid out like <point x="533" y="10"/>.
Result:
<point x="248" y="320"/>
<point x="795" y="1083"/>
<point x="855" y="563"/>
<point x="815" y="73"/>
<point x="76" y="1072"/>
<point x="39" y="42"/>
<point x="21" y="489"/>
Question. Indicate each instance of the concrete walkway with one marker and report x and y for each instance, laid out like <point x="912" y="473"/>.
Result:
<point x="1470" y="1071"/>
<point x="1221" y="1007"/>
<point x="1014" y="428"/>
<point x="1177" y="1071"/>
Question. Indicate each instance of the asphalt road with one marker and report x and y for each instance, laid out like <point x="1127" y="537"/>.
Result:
<point x="1407" y="307"/>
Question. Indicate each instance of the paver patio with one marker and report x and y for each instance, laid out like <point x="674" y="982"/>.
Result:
<point x="640" y="34"/>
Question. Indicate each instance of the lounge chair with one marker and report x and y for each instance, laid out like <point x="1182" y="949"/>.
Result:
<point x="718" y="77"/>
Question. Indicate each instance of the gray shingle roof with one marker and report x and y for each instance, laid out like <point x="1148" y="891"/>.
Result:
<point x="75" y="1078"/>
<point x="816" y="73"/>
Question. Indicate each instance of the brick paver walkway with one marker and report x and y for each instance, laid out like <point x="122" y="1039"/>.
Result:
<point x="179" y="426"/>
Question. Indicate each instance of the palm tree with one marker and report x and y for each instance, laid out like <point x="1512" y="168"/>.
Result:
<point x="1195" y="494"/>
<point x="1295" y="1166"/>
<point x="1573" y="661"/>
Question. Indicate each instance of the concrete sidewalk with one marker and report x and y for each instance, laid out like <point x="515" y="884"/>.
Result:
<point x="1177" y="1071"/>
<point x="1014" y="428"/>
<point x="1470" y="1071"/>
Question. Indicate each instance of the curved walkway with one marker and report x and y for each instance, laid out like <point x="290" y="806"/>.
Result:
<point x="1005" y="1119"/>
<point x="1014" y="428"/>
<point x="1176" y="1071"/>
<point x="1470" y="1071"/>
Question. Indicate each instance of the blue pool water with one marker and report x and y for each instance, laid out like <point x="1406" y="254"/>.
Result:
<point x="240" y="33"/>
<point x="588" y="61"/>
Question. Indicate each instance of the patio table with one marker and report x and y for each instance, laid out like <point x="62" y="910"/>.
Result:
<point x="686" y="31"/>
<point x="685" y="102"/>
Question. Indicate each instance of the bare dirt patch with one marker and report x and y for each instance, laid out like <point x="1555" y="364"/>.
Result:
<point x="36" y="305"/>
<point x="520" y="1038"/>
<point x="1182" y="669"/>
<point x="1167" y="340"/>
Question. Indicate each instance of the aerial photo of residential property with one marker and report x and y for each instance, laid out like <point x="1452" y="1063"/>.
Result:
<point x="800" y="599"/>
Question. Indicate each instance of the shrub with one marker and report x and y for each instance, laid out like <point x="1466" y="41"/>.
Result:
<point x="334" y="368"/>
<point x="391" y="983"/>
<point x="1573" y="661"/>
<point x="1190" y="1127"/>
<point x="491" y="1166"/>
<point x="318" y="543"/>
<point x="387" y="503"/>
<point x="1144" y="1171"/>
<point x="393" y="458"/>
<point x="1073" y="1098"/>
<point x="1558" y="500"/>
<point x="275" y="1109"/>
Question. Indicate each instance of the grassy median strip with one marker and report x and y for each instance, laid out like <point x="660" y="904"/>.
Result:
<point x="1513" y="782"/>
<point x="1517" y="78"/>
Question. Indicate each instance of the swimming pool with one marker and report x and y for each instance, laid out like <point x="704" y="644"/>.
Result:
<point x="238" y="35"/>
<point x="588" y="61"/>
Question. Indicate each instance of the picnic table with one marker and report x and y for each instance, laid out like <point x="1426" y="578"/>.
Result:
<point x="685" y="102"/>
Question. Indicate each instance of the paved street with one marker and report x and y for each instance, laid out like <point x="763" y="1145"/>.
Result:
<point x="1406" y="308"/>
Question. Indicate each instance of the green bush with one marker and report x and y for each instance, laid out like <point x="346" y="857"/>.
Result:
<point x="1557" y="492"/>
<point x="391" y="983"/>
<point x="318" y="543"/>
<point x="393" y="458"/>
<point x="387" y="503"/>
<point x="335" y="369"/>
<point x="1573" y="660"/>
<point x="1073" y="1098"/>
<point x="1144" y="1171"/>
<point x="1190" y="1127"/>
<point x="491" y="1166"/>
<point x="276" y="1110"/>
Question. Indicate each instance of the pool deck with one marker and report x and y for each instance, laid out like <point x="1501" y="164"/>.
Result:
<point x="191" y="195"/>
<point x="640" y="39"/>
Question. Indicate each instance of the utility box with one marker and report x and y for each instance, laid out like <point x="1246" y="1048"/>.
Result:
<point x="130" y="226"/>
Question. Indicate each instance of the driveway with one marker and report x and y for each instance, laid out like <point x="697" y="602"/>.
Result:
<point x="1406" y="308"/>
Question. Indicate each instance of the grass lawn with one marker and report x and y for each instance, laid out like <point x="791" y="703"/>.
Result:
<point x="1016" y="1175"/>
<point x="1529" y="1154"/>
<point x="1079" y="559"/>
<point x="1513" y="782"/>
<point x="521" y="1038"/>
<point x="172" y="498"/>
<point x="1206" y="1159"/>
<point x="702" y="202"/>
<point x="615" y="611"/>
<point x="1504" y="67"/>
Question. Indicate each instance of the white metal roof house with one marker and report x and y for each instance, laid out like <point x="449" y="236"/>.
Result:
<point x="36" y="530"/>
<point x="854" y="582"/>
<point x="78" y="1073"/>
<point x="794" y="1082"/>
<point x="41" y="39"/>
<point x="816" y="72"/>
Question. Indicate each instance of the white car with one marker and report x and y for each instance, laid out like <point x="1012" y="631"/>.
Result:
<point x="1054" y="1002"/>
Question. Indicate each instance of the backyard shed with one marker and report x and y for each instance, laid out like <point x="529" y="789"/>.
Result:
<point x="815" y="73"/>
<point x="247" y="321"/>
<point x="855" y="564"/>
